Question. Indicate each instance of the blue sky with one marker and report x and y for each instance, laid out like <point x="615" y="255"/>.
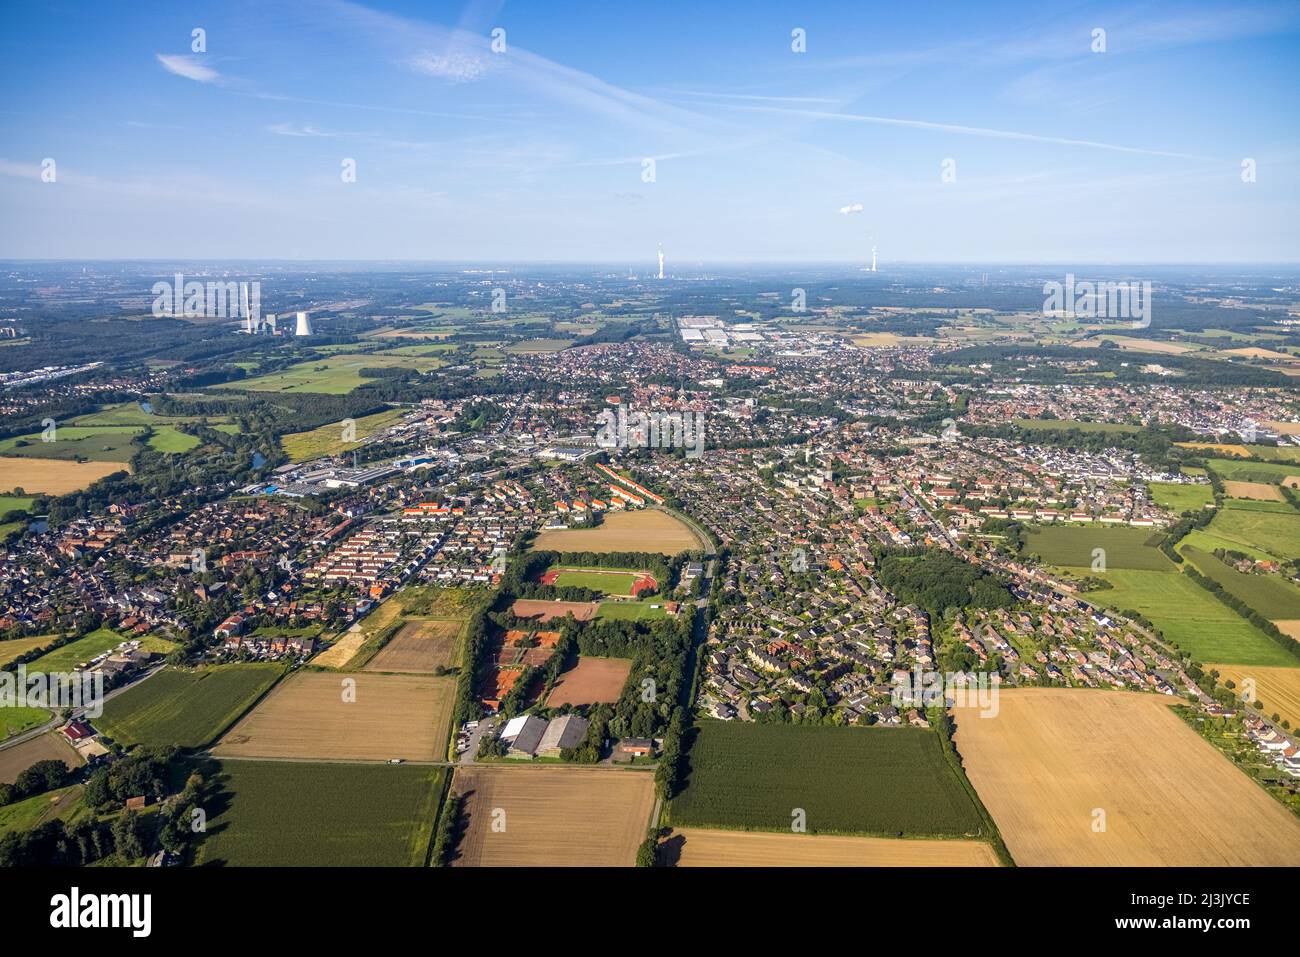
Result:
<point x="1060" y="154"/>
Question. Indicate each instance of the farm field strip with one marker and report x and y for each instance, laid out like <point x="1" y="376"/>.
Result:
<point x="704" y="847"/>
<point x="641" y="530"/>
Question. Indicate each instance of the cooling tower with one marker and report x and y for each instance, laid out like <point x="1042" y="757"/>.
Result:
<point x="303" y="328"/>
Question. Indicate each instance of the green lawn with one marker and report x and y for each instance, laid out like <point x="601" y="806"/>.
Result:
<point x="1072" y="546"/>
<point x="83" y="649"/>
<point x="1190" y="616"/>
<point x="1181" y="498"/>
<point x="630" y="610"/>
<point x="17" y="720"/>
<point x="186" y="708"/>
<point x="892" y="782"/>
<point x="609" y="582"/>
<point x="301" y="814"/>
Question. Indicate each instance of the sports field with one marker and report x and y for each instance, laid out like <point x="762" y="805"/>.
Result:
<point x="591" y="681"/>
<point x="188" y="709"/>
<point x="705" y="847"/>
<point x="609" y="581"/>
<point x="1179" y="498"/>
<point x="354" y="717"/>
<point x="1082" y="777"/>
<point x="53" y="475"/>
<point x="641" y="530"/>
<point x="888" y="782"/>
<point x="1276" y="689"/>
<point x="552" y="816"/>
<point x="300" y="814"/>
<point x="419" y="648"/>
<point x="1074" y="546"/>
<point x="1190" y="616"/>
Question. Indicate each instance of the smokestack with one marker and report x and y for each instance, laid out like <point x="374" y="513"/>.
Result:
<point x="303" y="327"/>
<point x="873" y="258"/>
<point x="661" y="260"/>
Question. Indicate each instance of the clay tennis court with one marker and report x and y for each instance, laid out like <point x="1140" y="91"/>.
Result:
<point x="546" y="610"/>
<point x="419" y="648"/>
<point x="593" y="681"/>
<point x="704" y="847"/>
<point x="552" y="816"/>
<point x="307" y="716"/>
<point x="1054" y="760"/>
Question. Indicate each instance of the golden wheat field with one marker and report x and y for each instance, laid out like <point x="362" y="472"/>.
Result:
<point x="552" y="816"/>
<point x="1277" y="689"/>
<point x="705" y="847"/>
<point x="643" y="530"/>
<point x="53" y="476"/>
<point x="1109" y="778"/>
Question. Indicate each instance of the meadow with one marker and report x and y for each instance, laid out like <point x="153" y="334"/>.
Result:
<point x="17" y="647"/>
<point x="188" y="709"/>
<point x="1275" y="530"/>
<point x="300" y="814"/>
<point x="108" y="444"/>
<point x="10" y="504"/>
<point x="97" y="642"/>
<point x="1073" y="545"/>
<point x="328" y="439"/>
<point x="1270" y="595"/>
<point x="1190" y="616"/>
<point x="1250" y="471"/>
<point x="891" y="782"/>
<point x="1180" y="498"/>
<point x="332" y="375"/>
<point x="17" y="720"/>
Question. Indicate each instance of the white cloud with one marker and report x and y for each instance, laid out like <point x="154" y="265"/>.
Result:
<point x="188" y="67"/>
<point x="289" y="129"/>
<point x="851" y="208"/>
<point x="459" y="66"/>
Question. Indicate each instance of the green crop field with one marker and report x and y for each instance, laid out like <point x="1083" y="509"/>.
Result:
<point x="1277" y="533"/>
<point x="610" y="582"/>
<point x="1235" y="470"/>
<point x="1072" y="546"/>
<point x="109" y="444"/>
<point x="83" y="649"/>
<point x="1181" y="498"/>
<point x="186" y="708"/>
<point x="1271" y="595"/>
<point x="301" y="814"/>
<point x="884" y="781"/>
<point x="1190" y="616"/>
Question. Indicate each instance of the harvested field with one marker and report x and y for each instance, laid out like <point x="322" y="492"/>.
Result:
<point x="1289" y="627"/>
<point x="1219" y="447"/>
<point x="1054" y="757"/>
<point x="46" y="747"/>
<point x="342" y="651"/>
<point x="1257" y="490"/>
<point x="642" y="530"/>
<point x="553" y="817"/>
<point x="701" y="847"/>
<point x="593" y="681"/>
<point x="546" y="610"/>
<point x="1277" y="689"/>
<point x="307" y="716"/>
<point x="54" y="476"/>
<point x="419" y="648"/>
<point x="17" y="647"/>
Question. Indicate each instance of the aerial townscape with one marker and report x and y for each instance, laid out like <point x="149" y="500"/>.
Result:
<point x="854" y="546"/>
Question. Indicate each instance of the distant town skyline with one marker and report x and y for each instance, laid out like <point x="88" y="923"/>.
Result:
<point x="490" y="132"/>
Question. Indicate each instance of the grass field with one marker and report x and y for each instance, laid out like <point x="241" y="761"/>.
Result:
<point x="702" y="847"/>
<point x="631" y="610"/>
<point x="64" y="804"/>
<point x="1054" y="759"/>
<point x="130" y="413"/>
<point x="186" y="708"/>
<point x="538" y="346"/>
<point x="45" y="747"/>
<point x="16" y="647"/>
<point x="15" y="720"/>
<point x="1271" y="595"/>
<point x="108" y="444"/>
<point x="419" y="648"/>
<point x="298" y="814"/>
<point x="334" y="375"/>
<point x="1249" y="471"/>
<point x="328" y="439"/>
<point x="54" y="476"/>
<point x="309" y="716"/>
<point x="345" y="648"/>
<point x="592" y="681"/>
<point x="552" y="816"/>
<point x="97" y="642"/>
<point x="11" y="504"/>
<point x="1073" y="545"/>
<point x="642" y="530"/>
<point x="1190" y="616"/>
<point x="890" y="782"/>
<point x="1180" y="498"/>
<point x="1276" y="689"/>
<point x="168" y="438"/>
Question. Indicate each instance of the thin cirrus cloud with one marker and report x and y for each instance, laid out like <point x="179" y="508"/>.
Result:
<point x="188" y="67"/>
